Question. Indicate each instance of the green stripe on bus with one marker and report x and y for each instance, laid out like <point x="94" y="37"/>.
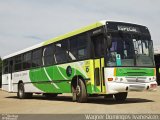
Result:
<point x="55" y="73"/>
<point x="134" y="71"/>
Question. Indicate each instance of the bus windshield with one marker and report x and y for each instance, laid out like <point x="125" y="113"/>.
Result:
<point x="130" y="50"/>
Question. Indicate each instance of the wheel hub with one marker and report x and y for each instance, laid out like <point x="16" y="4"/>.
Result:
<point x="20" y="92"/>
<point x="78" y="90"/>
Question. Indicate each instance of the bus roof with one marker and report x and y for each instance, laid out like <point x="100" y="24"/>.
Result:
<point x="75" y="32"/>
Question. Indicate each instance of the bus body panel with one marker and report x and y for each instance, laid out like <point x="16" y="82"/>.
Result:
<point x="23" y="76"/>
<point x="7" y="83"/>
<point x="52" y="79"/>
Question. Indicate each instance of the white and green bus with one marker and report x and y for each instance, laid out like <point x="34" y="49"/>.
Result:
<point x="102" y="59"/>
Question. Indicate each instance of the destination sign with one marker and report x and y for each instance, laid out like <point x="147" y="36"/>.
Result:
<point x="127" y="28"/>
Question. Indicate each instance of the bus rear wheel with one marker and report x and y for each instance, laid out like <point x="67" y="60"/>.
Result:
<point x="121" y="97"/>
<point x="80" y="92"/>
<point x="21" y="92"/>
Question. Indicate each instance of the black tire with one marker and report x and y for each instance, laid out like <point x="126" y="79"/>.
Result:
<point x="121" y="97"/>
<point x="50" y="95"/>
<point x="21" y="92"/>
<point x="74" y="96"/>
<point x="81" y="92"/>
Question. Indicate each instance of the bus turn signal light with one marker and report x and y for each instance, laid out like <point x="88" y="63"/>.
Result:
<point x="110" y="79"/>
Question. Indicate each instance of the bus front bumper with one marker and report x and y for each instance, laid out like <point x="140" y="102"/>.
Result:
<point x="114" y="87"/>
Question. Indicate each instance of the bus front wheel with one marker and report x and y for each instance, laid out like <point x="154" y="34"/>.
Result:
<point x="121" y="97"/>
<point x="80" y="91"/>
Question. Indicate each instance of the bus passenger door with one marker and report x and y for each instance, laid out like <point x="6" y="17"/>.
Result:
<point x="98" y="63"/>
<point x="99" y="75"/>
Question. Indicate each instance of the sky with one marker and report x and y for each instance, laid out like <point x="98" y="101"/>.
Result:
<point x="24" y="23"/>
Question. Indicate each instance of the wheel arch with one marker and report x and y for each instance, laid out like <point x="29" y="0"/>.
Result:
<point x="20" y="81"/>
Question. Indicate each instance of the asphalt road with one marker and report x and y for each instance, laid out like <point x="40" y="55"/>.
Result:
<point x="137" y="103"/>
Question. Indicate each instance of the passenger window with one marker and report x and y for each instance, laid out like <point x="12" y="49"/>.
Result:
<point x="48" y="58"/>
<point x="82" y="46"/>
<point x="27" y="60"/>
<point x="78" y="47"/>
<point x="5" y="67"/>
<point x="73" y="55"/>
<point x="61" y="54"/>
<point x="37" y="58"/>
<point x="82" y="53"/>
<point x="98" y="46"/>
<point x="18" y="63"/>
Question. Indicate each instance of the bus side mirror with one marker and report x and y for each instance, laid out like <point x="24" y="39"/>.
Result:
<point x="108" y="38"/>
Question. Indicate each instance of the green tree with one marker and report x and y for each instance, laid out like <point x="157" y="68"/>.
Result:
<point x="0" y="72"/>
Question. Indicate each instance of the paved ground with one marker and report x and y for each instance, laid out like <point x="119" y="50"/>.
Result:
<point x="137" y="102"/>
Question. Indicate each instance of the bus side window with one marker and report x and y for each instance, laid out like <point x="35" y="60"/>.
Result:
<point x="48" y="55"/>
<point x="27" y="60"/>
<point x="10" y="65"/>
<point x="78" y="47"/>
<point x="73" y="49"/>
<point x="5" y="66"/>
<point x="61" y="53"/>
<point x="37" y="58"/>
<point x="82" y="46"/>
<point x="18" y="63"/>
<point x="98" y="46"/>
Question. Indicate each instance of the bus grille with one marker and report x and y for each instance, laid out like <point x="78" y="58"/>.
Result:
<point x="136" y="79"/>
<point x="137" y="86"/>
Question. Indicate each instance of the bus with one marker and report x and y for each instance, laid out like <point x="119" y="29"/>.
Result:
<point x="106" y="58"/>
